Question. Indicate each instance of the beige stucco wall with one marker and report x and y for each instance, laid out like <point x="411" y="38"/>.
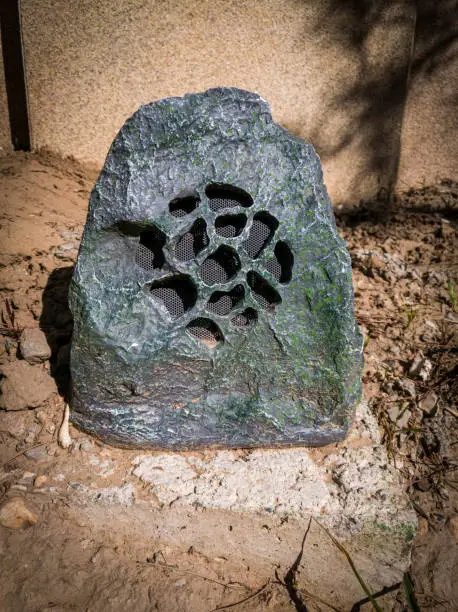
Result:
<point x="332" y="74"/>
<point x="430" y="128"/>
<point x="5" y="134"/>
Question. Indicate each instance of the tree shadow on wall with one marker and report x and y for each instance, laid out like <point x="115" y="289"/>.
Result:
<point x="56" y="322"/>
<point x="388" y="46"/>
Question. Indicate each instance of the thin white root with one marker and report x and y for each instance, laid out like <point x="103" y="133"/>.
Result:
<point x="64" y="436"/>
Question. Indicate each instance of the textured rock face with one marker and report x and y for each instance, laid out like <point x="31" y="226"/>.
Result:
<point x="212" y="296"/>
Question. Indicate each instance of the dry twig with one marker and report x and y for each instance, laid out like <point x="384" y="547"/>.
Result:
<point x="25" y="450"/>
<point x="241" y="601"/>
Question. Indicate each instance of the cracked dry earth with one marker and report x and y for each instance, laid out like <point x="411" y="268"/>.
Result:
<point x="61" y="556"/>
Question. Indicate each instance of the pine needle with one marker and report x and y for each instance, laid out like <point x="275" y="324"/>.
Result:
<point x="344" y="551"/>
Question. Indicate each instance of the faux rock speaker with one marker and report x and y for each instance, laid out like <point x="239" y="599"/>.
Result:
<point x="212" y="297"/>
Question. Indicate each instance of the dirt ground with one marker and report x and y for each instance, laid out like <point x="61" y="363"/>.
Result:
<point x="405" y="270"/>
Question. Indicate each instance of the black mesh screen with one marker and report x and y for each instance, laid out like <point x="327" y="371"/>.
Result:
<point x="274" y="267"/>
<point x="171" y="300"/>
<point x="246" y="318"/>
<point x="258" y="237"/>
<point x="263" y="292"/>
<point x="222" y="302"/>
<point x="222" y="306"/>
<point x="230" y="226"/>
<point x="261" y="233"/>
<point x="213" y="272"/>
<point x="281" y="266"/>
<point x="144" y="257"/>
<point x="177" y="293"/>
<point x="180" y="207"/>
<point x="149" y="254"/>
<point x="220" y="267"/>
<point x="205" y="330"/>
<point x="193" y="242"/>
<point x="219" y="203"/>
<point x="227" y="196"/>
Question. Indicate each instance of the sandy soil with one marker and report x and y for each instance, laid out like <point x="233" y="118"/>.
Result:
<point x="405" y="275"/>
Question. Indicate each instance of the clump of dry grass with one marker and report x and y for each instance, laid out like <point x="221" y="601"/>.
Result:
<point x="10" y="328"/>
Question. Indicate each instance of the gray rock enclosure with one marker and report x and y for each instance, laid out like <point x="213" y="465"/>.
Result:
<point x="212" y="296"/>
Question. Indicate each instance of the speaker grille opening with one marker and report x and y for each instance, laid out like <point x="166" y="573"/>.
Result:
<point x="222" y="302"/>
<point x="220" y="267"/>
<point x="266" y="296"/>
<point x="189" y="245"/>
<point x="281" y="266"/>
<point x="149" y="254"/>
<point x="180" y="207"/>
<point x="245" y="319"/>
<point x="261" y="233"/>
<point x="274" y="267"/>
<point x="227" y="196"/>
<point x="177" y="293"/>
<point x="229" y="226"/>
<point x="205" y="330"/>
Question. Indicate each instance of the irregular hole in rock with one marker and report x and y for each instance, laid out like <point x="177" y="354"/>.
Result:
<point x="230" y="226"/>
<point x="222" y="195"/>
<point x="205" y="330"/>
<point x="281" y="266"/>
<point x="222" y="302"/>
<point x="149" y="254"/>
<point x="190" y="244"/>
<point x="263" y="292"/>
<point x="177" y="293"/>
<point x="220" y="267"/>
<point x="261" y="232"/>
<point x="182" y="206"/>
<point x="245" y="319"/>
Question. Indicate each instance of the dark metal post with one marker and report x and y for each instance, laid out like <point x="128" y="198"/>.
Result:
<point x="13" y="61"/>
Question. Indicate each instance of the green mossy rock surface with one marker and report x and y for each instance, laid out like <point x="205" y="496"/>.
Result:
<point x="139" y="377"/>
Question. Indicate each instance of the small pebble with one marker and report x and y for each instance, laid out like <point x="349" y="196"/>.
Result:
<point x="86" y="445"/>
<point x="428" y="403"/>
<point x="423" y="527"/>
<point x="32" y="433"/>
<point x="96" y="556"/>
<point x="67" y="246"/>
<point x="408" y="386"/>
<point x="393" y="412"/>
<point x="37" y="454"/>
<point x="14" y="514"/>
<point x="431" y="332"/>
<point x="68" y="235"/>
<point x="41" y="416"/>
<point x="26" y="479"/>
<point x="399" y="416"/>
<point x="421" y="368"/>
<point x="34" y="346"/>
<point x="404" y="419"/>
<point x="40" y="481"/>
